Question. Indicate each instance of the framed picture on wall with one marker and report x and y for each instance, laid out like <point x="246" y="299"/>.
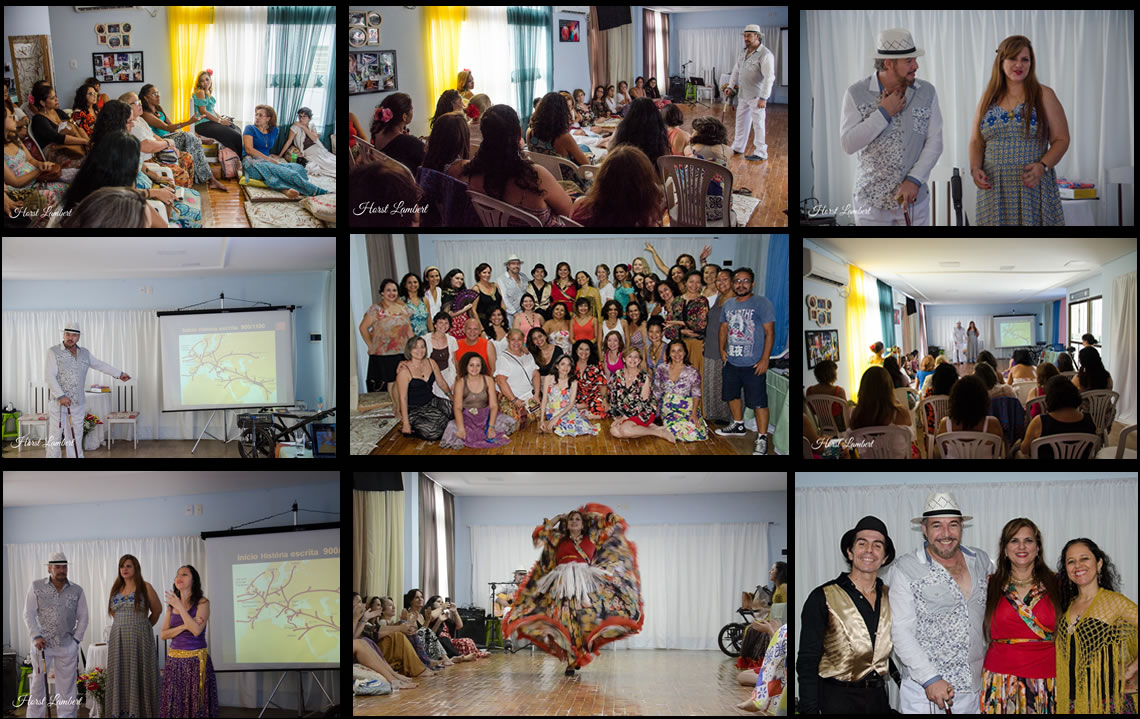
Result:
<point x="117" y="66"/>
<point x="372" y="72"/>
<point x="821" y="345"/>
<point x="568" y="31"/>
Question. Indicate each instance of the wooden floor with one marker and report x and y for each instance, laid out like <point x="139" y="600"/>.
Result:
<point x="529" y="441"/>
<point x="767" y="179"/>
<point x="227" y="206"/>
<point x="643" y="682"/>
<point x="147" y="448"/>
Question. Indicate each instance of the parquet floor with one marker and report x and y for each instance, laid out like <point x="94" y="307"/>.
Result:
<point x="768" y="180"/>
<point x="645" y="682"/>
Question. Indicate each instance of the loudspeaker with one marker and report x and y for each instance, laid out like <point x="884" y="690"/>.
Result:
<point x="676" y="88"/>
<point x="11" y="680"/>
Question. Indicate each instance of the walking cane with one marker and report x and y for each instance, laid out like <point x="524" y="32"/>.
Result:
<point x="43" y="664"/>
<point x="70" y="426"/>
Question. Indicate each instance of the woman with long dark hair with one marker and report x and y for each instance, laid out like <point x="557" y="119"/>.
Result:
<point x="643" y="128"/>
<point x="189" y="688"/>
<point x="585" y="589"/>
<point x="1092" y="374"/>
<point x="132" y="662"/>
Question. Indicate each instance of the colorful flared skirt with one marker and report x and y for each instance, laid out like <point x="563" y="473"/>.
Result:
<point x="572" y="610"/>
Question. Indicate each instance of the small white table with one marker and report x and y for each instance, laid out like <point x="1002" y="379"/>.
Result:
<point x="99" y="404"/>
<point x="1079" y="213"/>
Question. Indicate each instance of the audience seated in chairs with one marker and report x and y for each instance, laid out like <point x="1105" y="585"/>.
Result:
<point x="450" y="142"/>
<point x="389" y="131"/>
<point x="1063" y="416"/>
<point x="626" y="193"/>
<point x="878" y="405"/>
<point x="643" y="127"/>
<point x="384" y="183"/>
<point x="187" y="142"/>
<point x="32" y="186"/>
<point x="500" y="171"/>
<point x="65" y="147"/>
<point x="969" y="410"/>
<point x="549" y="134"/>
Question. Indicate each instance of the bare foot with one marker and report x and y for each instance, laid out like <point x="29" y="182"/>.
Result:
<point x="747" y="705"/>
<point x="667" y="435"/>
<point x="214" y="184"/>
<point x="292" y="194"/>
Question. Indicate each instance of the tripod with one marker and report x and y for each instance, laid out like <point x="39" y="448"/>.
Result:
<point x="690" y="88"/>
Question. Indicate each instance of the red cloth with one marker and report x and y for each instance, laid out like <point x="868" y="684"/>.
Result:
<point x="566" y="552"/>
<point x="1032" y="660"/>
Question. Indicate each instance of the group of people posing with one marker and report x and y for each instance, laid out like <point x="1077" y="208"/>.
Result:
<point x="971" y="635"/>
<point x="98" y="165"/>
<point x="55" y="613"/>
<point x="469" y="366"/>
<point x="423" y="639"/>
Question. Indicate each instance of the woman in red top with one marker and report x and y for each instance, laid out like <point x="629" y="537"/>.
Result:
<point x="1019" y="673"/>
<point x="563" y="289"/>
<point x="585" y="585"/>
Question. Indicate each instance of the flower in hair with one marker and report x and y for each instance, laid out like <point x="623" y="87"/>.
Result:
<point x="385" y="115"/>
<point x="209" y="72"/>
<point x="473" y="112"/>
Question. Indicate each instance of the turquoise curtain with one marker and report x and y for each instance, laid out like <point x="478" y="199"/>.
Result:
<point x="885" y="315"/>
<point x="330" y="97"/>
<point x="293" y="33"/>
<point x="531" y="27"/>
<point x="776" y="288"/>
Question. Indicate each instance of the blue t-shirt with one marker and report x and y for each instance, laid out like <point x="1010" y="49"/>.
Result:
<point x="745" y="321"/>
<point x="263" y="143"/>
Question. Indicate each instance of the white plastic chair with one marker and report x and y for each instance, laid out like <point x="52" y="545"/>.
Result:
<point x="969" y="445"/>
<point x="1119" y="451"/>
<point x="903" y="395"/>
<point x="588" y="173"/>
<point x="822" y="406"/>
<point x="887" y="442"/>
<point x="941" y="405"/>
<point x="688" y="201"/>
<point x="552" y="163"/>
<point x="1102" y="408"/>
<point x="568" y="222"/>
<point x="38" y="397"/>
<point x="1029" y="406"/>
<point x="122" y="415"/>
<point x="1023" y="387"/>
<point x="1070" y="445"/>
<point x="1069" y="374"/>
<point x="494" y="213"/>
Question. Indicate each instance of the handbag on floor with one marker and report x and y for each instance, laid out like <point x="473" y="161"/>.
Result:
<point x="230" y="162"/>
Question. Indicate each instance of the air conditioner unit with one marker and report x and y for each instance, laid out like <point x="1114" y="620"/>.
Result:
<point x="818" y="267"/>
<point x="93" y="8"/>
<point x="575" y="9"/>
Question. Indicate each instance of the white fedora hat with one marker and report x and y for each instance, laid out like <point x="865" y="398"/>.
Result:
<point x="57" y="558"/>
<point x="940" y="504"/>
<point x="895" y="44"/>
<point x="72" y="327"/>
<point x="751" y="28"/>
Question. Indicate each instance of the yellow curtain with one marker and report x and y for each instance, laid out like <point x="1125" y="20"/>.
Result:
<point x="442" y="24"/>
<point x="187" y="52"/>
<point x="857" y="345"/>
<point x="378" y="543"/>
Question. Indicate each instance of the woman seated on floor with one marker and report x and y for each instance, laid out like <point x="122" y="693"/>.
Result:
<point x="66" y="145"/>
<point x="500" y="171"/>
<point x="25" y="176"/>
<point x="626" y="193"/>
<point x="210" y="124"/>
<point x="272" y="169"/>
<point x="159" y="150"/>
<point x="187" y="142"/>
<point x="318" y="160"/>
<point x="710" y="140"/>
<point x="113" y="162"/>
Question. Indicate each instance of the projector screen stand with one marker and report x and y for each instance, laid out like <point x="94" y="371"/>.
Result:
<point x="225" y="433"/>
<point x="301" y="690"/>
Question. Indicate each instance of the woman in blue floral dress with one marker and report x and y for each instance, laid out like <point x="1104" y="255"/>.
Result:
<point x="677" y="389"/>
<point x="559" y="393"/>
<point x="1020" y="134"/>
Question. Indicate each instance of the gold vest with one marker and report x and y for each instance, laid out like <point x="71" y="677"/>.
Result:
<point x="847" y="651"/>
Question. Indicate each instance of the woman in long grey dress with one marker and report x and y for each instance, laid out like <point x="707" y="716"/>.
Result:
<point x="972" y="343"/>
<point x="132" y="655"/>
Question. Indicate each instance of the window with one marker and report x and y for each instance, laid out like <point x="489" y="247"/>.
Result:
<point x="1085" y="318"/>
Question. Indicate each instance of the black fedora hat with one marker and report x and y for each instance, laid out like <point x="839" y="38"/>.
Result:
<point x="872" y="523"/>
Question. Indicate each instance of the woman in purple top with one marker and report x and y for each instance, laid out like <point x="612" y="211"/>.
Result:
<point x="260" y="163"/>
<point x="189" y="688"/>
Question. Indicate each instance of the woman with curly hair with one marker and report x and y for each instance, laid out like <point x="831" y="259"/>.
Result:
<point x="710" y="140"/>
<point x="585" y="589"/>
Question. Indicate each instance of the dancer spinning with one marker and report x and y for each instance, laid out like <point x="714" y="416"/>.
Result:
<point x="585" y="589"/>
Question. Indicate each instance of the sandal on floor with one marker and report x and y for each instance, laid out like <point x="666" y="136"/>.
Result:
<point x="742" y="191"/>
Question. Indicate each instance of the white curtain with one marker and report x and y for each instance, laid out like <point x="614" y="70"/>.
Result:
<point x="581" y="254"/>
<point x="687" y="597"/>
<point x="1086" y="56"/>
<point x="329" y="337"/>
<point x="1124" y="346"/>
<point x="713" y="51"/>
<point x="127" y="339"/>
<point x="941" y="328"/>
<point x="484" y="48"/>
<point x="1102" y="510"/>
<point x="235" y="50"/>
<point x="619" y="49"/>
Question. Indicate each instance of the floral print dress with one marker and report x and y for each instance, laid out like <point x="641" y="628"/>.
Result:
<point x="572" y="423"/>
<point x="592" y="390"/>
<point x="677" y="401"/>
<point x="627" y="401"/>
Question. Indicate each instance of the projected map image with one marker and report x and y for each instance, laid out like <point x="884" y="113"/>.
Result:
<point x="1016" y="334"/>
<point x="287" y="611"/>
<point x="231" y="368"/>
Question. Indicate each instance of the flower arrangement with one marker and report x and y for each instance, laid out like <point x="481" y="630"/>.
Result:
<point x="89" y="423"/>
<point x="96" y="683"/>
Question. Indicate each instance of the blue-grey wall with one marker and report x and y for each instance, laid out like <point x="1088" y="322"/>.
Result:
<point x="298" y="288"/>
<point x="776" y="15"/>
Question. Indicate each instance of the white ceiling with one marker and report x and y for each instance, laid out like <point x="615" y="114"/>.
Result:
<point x="691" y="8"/>
<point x="39" y="258"/>
<point x="560" y="484"/>
<point x="22" y="489"/>
<point x="988" y="270"/>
